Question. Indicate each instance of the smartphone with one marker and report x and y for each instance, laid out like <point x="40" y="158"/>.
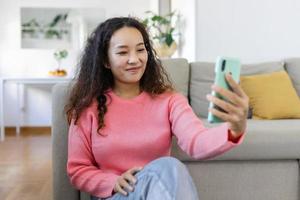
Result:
<point x="224" y="65"/>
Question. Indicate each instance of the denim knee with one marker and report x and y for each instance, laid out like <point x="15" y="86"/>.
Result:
<point x="166" y="163"/>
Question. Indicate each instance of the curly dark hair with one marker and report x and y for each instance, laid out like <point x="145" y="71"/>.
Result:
<point x="93" y="79"/>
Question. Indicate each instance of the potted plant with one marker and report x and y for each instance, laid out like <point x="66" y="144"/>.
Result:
<point x="162" y="29"/>
<point x="59" y="55"/>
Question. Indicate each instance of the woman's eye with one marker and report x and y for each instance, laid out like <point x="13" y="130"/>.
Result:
<point x="122" y="53"/>
<point x="141" y="50"/>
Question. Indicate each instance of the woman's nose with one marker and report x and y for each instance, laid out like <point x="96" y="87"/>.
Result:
<point x="133" y="58"/>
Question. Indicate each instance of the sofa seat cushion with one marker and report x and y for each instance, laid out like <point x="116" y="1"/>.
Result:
<point x="265" y="139"/>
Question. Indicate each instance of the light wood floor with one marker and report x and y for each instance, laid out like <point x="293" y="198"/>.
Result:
<point x="25" y="165"/>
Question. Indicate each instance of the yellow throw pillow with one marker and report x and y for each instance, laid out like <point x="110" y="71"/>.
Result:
<point x="272" y="96"/>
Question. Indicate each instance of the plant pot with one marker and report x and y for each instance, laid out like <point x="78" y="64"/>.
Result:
<point x="165" y="51"/>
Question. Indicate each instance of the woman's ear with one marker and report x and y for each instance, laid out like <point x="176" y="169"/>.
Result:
<point x="106" y="66"/>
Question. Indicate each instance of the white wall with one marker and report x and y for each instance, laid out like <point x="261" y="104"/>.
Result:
<point x="15" y="61"/>
<point x="253" y="30"/>
<point x="187" y="45"/>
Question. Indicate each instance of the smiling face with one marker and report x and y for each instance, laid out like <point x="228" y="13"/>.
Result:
<point x="127" y="56"/>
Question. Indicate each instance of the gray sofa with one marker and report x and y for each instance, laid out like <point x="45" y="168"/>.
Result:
<point x="264" y="167"/>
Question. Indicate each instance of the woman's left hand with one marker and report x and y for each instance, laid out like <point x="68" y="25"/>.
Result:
<point x="236" y="107"/>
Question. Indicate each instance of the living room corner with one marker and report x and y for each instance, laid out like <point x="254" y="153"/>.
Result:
<point x="41" y="45"/>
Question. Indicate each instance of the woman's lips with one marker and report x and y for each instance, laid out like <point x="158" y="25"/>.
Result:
<point x="134" y="69"/>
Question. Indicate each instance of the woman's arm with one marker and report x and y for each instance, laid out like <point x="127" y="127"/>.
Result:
<point x="82" y="168"/>
<point x="193" y="138"/>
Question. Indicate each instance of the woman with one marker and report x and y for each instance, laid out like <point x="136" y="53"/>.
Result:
<point x="123" y="112"/>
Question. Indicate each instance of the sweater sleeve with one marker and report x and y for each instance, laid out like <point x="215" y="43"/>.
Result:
<point x="82" y="168"/>
<point x="193" y="138"/>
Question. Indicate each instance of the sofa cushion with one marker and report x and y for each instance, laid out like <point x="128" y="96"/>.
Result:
<point x="262" y="68"/>
<point x="272" y="95"/>
<point x="202" y="77"/>
<point x="265" y="139"/>
<point x="178" y="70"/>
<point x="292" y="66"/>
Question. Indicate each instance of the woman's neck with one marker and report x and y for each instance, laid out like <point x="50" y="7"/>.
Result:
<point x="127" y="91"/>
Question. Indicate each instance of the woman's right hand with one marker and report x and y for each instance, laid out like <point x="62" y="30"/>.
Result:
<point x="126" y="181"/>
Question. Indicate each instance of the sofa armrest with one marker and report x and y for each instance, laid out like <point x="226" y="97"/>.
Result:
<point x="62" y="189"/>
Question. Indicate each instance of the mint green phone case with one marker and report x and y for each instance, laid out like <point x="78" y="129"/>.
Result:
<point x="223" y="66"/>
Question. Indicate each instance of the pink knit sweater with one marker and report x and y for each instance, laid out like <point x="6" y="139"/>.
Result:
<point x="136" y="132"/>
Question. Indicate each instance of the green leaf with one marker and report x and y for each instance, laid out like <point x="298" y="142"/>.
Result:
<point x="145" y="22"/>
<point x="60" y="54"/>
<point x="157" y="18"/>
<point x="171" y="30"/>
<point x="161" y="27"/>
<point x="65" y="16"/>
<point x="55" y="20"/>
<point x="165" y="21"/>
<point x="169" y="39"/>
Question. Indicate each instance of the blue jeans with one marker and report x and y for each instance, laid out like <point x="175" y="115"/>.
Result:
<point x="164" y="178"/>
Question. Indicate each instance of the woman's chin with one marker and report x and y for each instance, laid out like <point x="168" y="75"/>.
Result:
<point x="135" y="79"/>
